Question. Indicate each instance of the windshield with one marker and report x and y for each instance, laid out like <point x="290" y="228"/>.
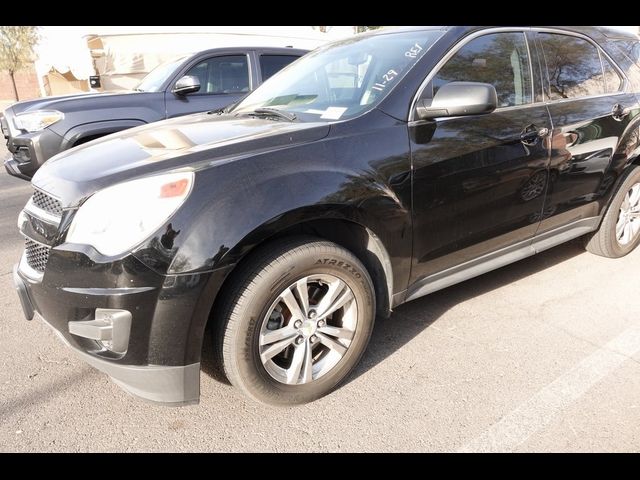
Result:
<point x="343" y="79"/>
<point x="156" y="77"/>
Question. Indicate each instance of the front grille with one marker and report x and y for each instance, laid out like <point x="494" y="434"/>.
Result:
<point x="37" y="255"/>
<point x="47" y="203"/>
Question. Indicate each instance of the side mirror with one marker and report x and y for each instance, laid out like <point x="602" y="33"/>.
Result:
<point x="187" y="84"/>
<point x="459" y="99"/>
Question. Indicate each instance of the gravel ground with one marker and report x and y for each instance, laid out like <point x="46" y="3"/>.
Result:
<point x="542" y="355"/>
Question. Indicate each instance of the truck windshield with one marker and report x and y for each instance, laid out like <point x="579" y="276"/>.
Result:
<point x="341" y="80"/>
<point x="155" y="78"/>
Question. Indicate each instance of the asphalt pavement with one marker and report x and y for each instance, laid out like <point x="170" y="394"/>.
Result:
<point x="542" y="355"/>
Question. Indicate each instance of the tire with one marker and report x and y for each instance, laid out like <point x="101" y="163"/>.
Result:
<point x="605" y="241"/>
<point x="256" y="311"/>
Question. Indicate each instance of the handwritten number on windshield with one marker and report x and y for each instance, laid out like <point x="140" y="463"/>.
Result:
<point x="386" y="78"/>
<point x="413" y="51"/>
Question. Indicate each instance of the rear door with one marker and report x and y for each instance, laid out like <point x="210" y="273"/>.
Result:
<point x="223" y="79"/>
<point x="589" y="107"/>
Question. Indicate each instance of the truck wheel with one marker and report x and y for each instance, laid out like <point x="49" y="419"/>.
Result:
<point x="619" y="232"/>
<point x="297" y="317"/>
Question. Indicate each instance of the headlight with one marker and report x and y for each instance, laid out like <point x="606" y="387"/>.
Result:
<point x="118" y="218"/>
<point x="38" y="120"/>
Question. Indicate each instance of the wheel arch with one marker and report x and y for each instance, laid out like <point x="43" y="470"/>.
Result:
<point x="360" y="239"/>
<point x="90" y="131"/>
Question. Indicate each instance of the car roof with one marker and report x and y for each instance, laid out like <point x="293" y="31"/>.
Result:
<point x="278" y="50"/>
<point x="590" y="31"/>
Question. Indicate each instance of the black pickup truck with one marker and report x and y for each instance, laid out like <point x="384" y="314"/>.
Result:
<point x="36" y="130"/>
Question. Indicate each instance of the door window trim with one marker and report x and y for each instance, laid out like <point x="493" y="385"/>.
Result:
<point x="603" y="59"/>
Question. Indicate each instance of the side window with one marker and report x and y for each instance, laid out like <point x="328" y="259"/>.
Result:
<point x="501" y="59"/>
<point x="612" y="79"/>
<point x="271" y="64"/>
<point x="219" y="75"/>
<point x="573" y="65"/>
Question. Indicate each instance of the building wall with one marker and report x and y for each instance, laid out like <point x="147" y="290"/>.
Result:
<point x="26" y="82"/>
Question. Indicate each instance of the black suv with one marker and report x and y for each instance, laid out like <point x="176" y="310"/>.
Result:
<point x="368" y="173"/>
<point x="36" y="130"/>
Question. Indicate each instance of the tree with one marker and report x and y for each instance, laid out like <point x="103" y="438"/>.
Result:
<point x="16" y="50"/>
<point x="364" y="29"/>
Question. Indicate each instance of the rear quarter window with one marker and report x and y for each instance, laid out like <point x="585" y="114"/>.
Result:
<point x="272" y="64"/>
<point x="626" y="53"/>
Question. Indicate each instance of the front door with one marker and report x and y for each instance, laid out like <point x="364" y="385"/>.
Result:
<point x="223" y="81"/>
<point x="590" y="112"/>
<point x="479" y="181"/>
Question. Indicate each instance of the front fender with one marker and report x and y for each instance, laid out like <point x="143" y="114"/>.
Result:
<point x="225" y="231"/>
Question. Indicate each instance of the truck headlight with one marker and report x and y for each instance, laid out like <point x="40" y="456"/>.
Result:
<point x="117" y="219"/>
<point x="38" y="120"/>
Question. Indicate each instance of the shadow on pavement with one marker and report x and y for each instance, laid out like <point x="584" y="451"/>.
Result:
<point x="44" y="393"/>
<point x="410" y="319"/>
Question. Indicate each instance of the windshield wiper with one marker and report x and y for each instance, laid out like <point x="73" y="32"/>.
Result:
<point x="275" y="113"/>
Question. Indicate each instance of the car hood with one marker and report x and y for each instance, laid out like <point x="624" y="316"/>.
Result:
<point x="194" y="141"/>
<point x="66" y="103"/>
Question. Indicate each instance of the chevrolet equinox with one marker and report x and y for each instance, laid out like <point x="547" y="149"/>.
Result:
<point x="370" y="172"/>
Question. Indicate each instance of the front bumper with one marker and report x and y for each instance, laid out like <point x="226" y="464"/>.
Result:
<point x="160" y="364"/>
<point x="28" y="150"/>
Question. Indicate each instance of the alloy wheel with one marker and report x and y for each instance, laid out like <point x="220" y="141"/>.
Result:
<point x="308" y="329"/>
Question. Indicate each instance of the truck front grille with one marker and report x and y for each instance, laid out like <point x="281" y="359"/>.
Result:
<point x="47" y="203"/>
<point x="37" y="255"/>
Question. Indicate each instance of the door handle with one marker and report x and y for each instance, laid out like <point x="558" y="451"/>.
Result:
<point x="531" y="134"/>
<point x="618" y="112"/>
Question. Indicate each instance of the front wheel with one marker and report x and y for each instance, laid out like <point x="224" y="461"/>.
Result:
<point x="297" y="318"/>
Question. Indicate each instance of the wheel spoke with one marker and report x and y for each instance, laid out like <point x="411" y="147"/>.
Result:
<point x="335" y="288"/>
<point x="626" y="203"/>
<point x="302" y="291"/>
<point x="275" y="335"/>
<point x="337" y="332"/>
<point x="301" y="362"/>
<point x="620" y="226"/>
<point x="336" y="297"/>
<point x="626" y="235"/>
<point x="276" y="348"/>
<point x="331" y="343"/>
<point x="634" y="196"/>
<point x="293" y="372"/>
<point x="341" y="301"/>
<point x="307" y="369"/>
<point x="292" y="304"/>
